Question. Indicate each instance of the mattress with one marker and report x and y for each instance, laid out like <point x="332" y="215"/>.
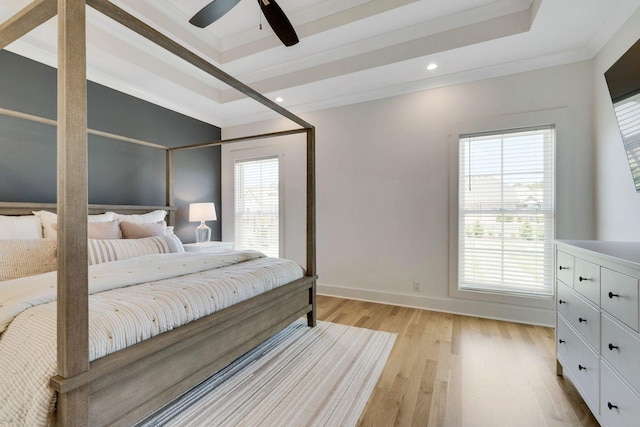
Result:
<point x="131" y="300"/>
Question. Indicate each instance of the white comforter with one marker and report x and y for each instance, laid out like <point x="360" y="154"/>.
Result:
<point x="170" y="290"/>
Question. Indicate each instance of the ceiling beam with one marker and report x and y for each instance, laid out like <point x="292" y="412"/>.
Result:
<point x="437" y="42"/>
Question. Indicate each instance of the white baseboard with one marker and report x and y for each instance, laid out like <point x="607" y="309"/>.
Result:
<point x="466" y="307"/>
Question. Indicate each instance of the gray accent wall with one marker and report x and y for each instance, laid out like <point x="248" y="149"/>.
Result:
<point x="119" y="173"/>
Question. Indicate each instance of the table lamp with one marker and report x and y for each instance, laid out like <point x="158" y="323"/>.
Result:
<point x="202" y="212"/>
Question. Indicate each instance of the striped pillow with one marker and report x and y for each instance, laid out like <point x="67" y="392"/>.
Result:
<point x="27" y="257"/>
<point x="105" y="250"/>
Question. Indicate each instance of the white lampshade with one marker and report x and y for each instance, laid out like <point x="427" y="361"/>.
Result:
<point x="202" y="212"/>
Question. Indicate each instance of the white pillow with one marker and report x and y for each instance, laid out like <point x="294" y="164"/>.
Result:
<point x="48" y="220"/>
<point x="103" y="217"/>
<point x="116" y="249"/>
<point x="20" y="227"/>
<point x="155" y="216"/>
<point x="27" y="257"/>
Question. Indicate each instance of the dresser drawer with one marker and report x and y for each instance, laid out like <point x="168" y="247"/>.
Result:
<point x="619" y="406"/>
<point x="580" y="314"/>
<point x="582" y="363"/>
<point x="621" y="349"/>
<point x="586" y="279"/>
<point x="619" y="296"/>
<point x="564" y="268"/>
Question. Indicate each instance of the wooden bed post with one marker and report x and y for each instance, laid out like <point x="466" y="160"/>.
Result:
<point x="311" y="220"/>
<point x="73" y="319"/>
<point x="170" y="186"/>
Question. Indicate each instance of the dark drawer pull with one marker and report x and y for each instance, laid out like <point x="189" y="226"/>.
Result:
<point x="561" y="301"/>
<point x="561" y="341"/>
<point x="611" y="406"/>
<point x="582" y="368"/>
<point x="611" y="347"/>
<point x="563" y="268"/>
<point x="582" y="278"/>
<point x="611" y="295"/>
<point x="580" y="319"/>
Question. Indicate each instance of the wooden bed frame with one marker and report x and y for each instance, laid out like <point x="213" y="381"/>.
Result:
<point x="130" y="384"/>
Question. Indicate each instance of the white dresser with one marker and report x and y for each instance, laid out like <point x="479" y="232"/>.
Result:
<point x="597" y="326"/>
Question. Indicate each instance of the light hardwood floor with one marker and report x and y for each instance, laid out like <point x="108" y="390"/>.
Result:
<point x="451" y="370"/>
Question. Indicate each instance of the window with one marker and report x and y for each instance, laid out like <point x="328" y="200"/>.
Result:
<point x="257" y="222"/>
<point x="507" y="211"/>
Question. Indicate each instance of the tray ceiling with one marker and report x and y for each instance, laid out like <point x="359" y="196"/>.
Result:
<point x="350" y="50"/>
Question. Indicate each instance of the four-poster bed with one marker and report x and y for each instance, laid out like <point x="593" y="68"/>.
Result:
<point x="125" y="386"/>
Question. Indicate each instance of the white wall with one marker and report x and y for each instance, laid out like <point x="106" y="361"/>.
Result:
<point x="617" y="203"/>
<point x="383" y="189"/>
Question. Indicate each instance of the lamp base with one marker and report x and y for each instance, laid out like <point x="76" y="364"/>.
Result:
<point x="203" y="233"/>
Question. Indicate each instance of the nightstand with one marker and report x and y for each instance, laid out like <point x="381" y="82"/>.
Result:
<point x="211" y="247"/>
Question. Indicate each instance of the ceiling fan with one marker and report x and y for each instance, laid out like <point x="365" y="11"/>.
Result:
<point x="272" y="12"/>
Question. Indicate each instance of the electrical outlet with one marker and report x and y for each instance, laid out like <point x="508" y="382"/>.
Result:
<point x="416" y="286"/>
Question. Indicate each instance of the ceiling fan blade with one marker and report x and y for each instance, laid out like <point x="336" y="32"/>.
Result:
<point x="278" y="22"/>
<point x="212" y="12"/>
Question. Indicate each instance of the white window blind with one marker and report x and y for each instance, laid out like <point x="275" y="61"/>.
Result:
<point x="507" y="211"/>
<point x="257" y="222"/>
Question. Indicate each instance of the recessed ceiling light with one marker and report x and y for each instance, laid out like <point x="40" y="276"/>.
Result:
<point x="279" y="99"/>
<point x="432" y="66"/>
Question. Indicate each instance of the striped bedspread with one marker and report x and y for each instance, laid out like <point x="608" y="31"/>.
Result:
<point x="131" y="300"/>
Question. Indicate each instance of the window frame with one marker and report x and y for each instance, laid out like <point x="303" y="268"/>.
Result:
<point x="505" y="158"/>
<point x="280" y="189"/>
<point x="557" y="117"/>
<point x="228" y="180"/>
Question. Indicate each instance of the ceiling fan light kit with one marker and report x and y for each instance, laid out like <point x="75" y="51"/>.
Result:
<point x="274" y="15"/>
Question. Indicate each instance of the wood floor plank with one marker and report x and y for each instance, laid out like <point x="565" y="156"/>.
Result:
<point x="425" y="394"/>
<point x="458" y="371"/>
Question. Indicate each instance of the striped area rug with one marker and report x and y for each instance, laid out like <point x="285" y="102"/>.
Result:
<point x="320" y="376"/>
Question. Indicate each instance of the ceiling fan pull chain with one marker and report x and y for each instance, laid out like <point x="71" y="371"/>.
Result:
<point x="266" y="3"/>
